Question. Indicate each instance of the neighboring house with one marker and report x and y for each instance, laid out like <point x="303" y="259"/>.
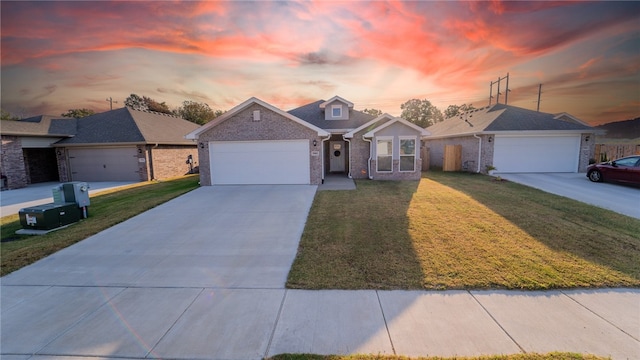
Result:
<point x="257" y="143"/>
<point x="514" y="139"/>
<point x="117" y="145"/>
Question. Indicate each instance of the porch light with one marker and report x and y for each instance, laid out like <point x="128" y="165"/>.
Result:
<point x="201" y="146"/>
<point x="315" y="142"/>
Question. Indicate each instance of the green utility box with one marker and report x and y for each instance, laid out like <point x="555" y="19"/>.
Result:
<point x="49" y="216"/>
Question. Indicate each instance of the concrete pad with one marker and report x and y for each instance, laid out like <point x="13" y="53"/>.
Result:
<point x="331" y="322"/>
<point x="448" y="324"/>
<point x="37" y="321"/>
<point x="10" y="296"/>
<point x="224" y="324"/>
<point x="621" y="307"/>
<point x="546" y="321"/>
<point x="337" y="182"/>
<point x="130" y="325"/>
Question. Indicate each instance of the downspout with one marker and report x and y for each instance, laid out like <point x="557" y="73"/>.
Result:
<point x="323" y="142"/>
<point x="370" y="157"/>
<point x="479" y="150"/>
<point x="348" y="141"/>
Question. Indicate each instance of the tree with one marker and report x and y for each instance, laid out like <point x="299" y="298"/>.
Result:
<point x="373" y="112"/>
<point x="199" y="113"/>
<point x="454" y="110"/>
<point x="421" y="112"/>
<point x="135" y="102"/>
<point x="5" y="115"/>
<point x="144" y="103"/>
<point x="78" y="113"/>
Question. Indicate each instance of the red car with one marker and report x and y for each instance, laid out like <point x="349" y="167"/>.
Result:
<point x="626" y="169"/>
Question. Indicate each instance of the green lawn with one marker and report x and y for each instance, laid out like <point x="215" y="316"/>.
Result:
<point x="462" y="231"/>
<point x="107" y="209"/>
<point x="549" y="356"/>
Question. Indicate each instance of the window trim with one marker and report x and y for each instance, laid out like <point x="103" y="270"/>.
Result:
<point x="414" y="155"/>
<point x="336" y="107"/>
<point x="385" y="139"/>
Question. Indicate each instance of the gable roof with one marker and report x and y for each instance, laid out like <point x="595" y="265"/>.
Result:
<point x="313" y="114"/>
<point x="422" y="131"/>
<point x="238" y="108"/>
<point x="338" y="98"/>
<point x="370" y="125"/>
<point x="126" y="125"/>
<point x="40" y="126"/>
<point x="506" y="118"/>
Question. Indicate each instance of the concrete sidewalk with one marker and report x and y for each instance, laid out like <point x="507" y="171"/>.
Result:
<point x="202" y="277"/>
<point x="218" y="323"/>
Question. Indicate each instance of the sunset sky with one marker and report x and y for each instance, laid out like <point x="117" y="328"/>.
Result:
<point x="61" y="55"/>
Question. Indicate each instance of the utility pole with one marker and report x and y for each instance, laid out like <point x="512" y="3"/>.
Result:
<point x="506" y="93"/>
<point x="539" y="92"/>
<point x="499" y="93"/>
<point x="110" y="100"/>
<point x="490" y="92"/>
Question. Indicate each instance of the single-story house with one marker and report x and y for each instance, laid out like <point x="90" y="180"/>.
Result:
<point x="257" y="143"/>
<point x="117" y="145"/>
<point x="513" y="139"/>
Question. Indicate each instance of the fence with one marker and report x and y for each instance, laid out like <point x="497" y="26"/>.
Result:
<point x="452" y="158"/>
<point x="605" y="152"/>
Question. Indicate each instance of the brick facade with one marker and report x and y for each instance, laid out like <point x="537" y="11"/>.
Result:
<point x="587" y="151"/>
<point x="170" y="161"/>
<point x="12" y="163"/>
<point x="271" y="126"/>
<point x="470" y="147"/>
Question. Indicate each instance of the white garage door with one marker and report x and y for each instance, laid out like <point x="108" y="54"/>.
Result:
<point x="259" y="162"/>
<point x="512" y="154"/>
<point x="104" y="164"/>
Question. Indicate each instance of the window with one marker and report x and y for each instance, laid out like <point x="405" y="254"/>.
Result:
<point x="384" y="152"/>
<point x="408" y="154"/>
<point x="336" y="111"/>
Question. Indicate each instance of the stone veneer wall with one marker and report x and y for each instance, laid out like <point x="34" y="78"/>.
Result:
<point x="272" y="126"/>
<point x="12" y="162"/>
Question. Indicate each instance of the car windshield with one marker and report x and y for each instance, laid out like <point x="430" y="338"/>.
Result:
<point x="630" y="161"/>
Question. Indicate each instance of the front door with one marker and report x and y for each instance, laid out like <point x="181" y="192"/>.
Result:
<point x="336" y="156"/>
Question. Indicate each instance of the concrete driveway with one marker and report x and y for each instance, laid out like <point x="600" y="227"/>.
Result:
<point x="619" y="198"/>
<point x="202" y="277"/>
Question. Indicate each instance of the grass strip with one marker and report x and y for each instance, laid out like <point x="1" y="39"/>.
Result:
<point x="107" y="208"/>
<point x="462" y="231"/>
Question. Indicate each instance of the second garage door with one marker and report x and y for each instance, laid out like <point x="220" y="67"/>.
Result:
<point x="536" y="153"/>
<point x="259" y="162"/>
<point x="104" y="164"/>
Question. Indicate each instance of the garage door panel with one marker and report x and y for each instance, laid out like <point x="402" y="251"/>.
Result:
<point x="536" y="153"/>
<point x="260" y="162"/>
<point x="104" y="164"/>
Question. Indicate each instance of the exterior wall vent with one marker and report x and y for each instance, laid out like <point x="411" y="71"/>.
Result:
<point x="256" y="115"/>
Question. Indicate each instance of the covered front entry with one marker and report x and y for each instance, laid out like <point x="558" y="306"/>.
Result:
<point x="260" y="162"/>
<point x="104" y="164"/>
<point x="531" y="154"/>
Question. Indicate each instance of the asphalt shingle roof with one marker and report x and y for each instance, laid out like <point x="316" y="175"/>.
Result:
<point x="313" y="114"/>
<point x="42" y="125"/>
<point x="501" y="117"/>
<point x="126" y="125"/>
